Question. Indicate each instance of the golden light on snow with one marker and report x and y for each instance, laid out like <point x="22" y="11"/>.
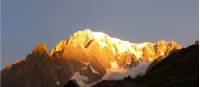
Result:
<point x="114" y="65"/>
<point x="104" y="46"/>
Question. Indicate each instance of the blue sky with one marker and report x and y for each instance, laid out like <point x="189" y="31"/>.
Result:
<point x="28" y="22"/>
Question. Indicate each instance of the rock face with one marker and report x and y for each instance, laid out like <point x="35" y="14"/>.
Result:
<point x="40" y="69"/>
<point x="84" y="56"/>
<point x="179" y="69"/>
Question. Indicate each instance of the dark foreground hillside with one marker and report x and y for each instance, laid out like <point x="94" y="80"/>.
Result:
<point x="180" y="69"/>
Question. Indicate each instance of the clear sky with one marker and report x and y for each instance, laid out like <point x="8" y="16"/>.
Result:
<point x="28" y="22"/>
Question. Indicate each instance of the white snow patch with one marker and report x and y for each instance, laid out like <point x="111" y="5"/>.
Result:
<point x="140" y="53"/>
<point x="98" y="35"/>
<point x="114" y="65"/>
<point x="102" y="44"/>
<point x="113" y="50"/>
<point x="120" y="73"/>
<point x="94" y="71"/>
<point x="117" y="74"/>
<point x="141" y="45"/>
<point x="80" y="79"/>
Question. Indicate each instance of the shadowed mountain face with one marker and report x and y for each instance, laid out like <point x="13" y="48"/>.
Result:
<point x="85" y="56"/>
<point x="179" y="69"/>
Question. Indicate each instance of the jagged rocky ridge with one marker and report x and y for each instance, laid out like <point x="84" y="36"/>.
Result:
<point x="179" y="69"/>
<point x="85" y="56"/>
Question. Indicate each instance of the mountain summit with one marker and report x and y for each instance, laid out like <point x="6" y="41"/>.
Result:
<point x="89" y="46"/>
<point x="85" y="56"/>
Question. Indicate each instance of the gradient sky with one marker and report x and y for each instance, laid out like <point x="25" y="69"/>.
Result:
<point x="28" y="22"/>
